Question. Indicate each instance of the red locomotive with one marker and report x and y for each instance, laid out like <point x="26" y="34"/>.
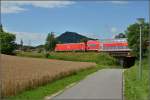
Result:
<point x="94" y="45"/>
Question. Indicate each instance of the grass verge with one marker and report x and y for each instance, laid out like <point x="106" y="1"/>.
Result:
<point x="136" y="89"/>
<point x="51" y="88"/>
<point x="98" y="58"/>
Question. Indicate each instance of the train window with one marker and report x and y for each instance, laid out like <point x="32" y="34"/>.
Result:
<point x="112" y="47"/>
<point x="125" y="47"/>
<point x="119" y="47"/>
<point x="105" y="48"/>
<point x="116" y="47"/>
<point x="92" y="45"/>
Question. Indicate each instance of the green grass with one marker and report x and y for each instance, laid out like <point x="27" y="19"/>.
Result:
<point x="31" y="54"/>
<point x="136" y="89"/>
<point x="98" y="58"/>
<point x="46" y="90"/>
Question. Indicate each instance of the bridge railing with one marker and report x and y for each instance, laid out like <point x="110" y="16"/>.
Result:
<point x="115" y="50"/>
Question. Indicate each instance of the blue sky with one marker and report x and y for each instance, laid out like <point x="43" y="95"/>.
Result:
<point x="32" y="20"/>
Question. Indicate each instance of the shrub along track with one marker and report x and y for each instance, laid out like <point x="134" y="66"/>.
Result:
<point x="21" y="73"/>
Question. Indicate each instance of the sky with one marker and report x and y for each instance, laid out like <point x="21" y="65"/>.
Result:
<point x="33" y="20"/>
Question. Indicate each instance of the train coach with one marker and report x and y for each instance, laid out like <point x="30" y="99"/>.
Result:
<point x="70" y="47"/>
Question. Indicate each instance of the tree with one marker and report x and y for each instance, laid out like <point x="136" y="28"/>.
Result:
<point x="133" y="37"/>
<point x="1" y="28"/>
<point x="7" y="42"/>
<point x="85" y="40"/>
<point x="21" y="44"/>
<point x="50" y="42"/>
<point x="120" y="35"/>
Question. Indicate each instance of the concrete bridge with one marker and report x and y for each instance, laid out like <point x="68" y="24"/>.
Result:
<point x="123" y="55"/>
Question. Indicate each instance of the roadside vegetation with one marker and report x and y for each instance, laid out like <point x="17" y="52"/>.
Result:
<point x="98" y="58"/>
<point x="136" y="89"/>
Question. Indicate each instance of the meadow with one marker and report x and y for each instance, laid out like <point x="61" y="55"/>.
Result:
<point x="97" y="57"/>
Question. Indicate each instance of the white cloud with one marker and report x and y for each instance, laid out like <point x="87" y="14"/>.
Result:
<point x="5" y="29"/>
<point x="114" y="2"/>
<point x="113" y="30"/>
<point x="17" y="6"/>
<point x="119" y="2"/>
<point x="30" y="38"/>
<point x="12" y="9"/>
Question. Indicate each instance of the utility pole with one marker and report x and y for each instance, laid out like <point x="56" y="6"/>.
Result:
<point x="140" y="62"/>
<point x="21" y="44"/>
<point x="29" y="44"/>
<point x="140" y="22"/>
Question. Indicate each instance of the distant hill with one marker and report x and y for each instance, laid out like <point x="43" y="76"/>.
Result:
<point x="71" y="37"/>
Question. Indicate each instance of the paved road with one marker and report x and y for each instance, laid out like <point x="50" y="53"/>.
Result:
<point x="105" y="84"/>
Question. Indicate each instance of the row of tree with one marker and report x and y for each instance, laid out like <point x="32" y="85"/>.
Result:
<point x="8" y="45"/>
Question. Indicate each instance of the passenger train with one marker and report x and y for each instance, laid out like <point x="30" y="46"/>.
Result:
<point x="95" y="45"/>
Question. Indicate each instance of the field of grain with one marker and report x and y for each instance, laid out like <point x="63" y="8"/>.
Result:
<point x="21" y="73"/>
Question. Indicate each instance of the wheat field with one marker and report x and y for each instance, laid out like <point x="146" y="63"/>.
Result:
<point x="20" y="73"/>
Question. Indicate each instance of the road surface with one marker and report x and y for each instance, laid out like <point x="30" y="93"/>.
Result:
<point x="105" y="84"/>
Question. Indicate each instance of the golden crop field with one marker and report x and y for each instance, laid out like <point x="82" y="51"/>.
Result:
<point x="21" y="73"/>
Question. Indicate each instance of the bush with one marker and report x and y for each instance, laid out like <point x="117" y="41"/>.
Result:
<point x="46" y="55"/>
<point x="7" y="43"/>
<point x="105" y="59"/>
